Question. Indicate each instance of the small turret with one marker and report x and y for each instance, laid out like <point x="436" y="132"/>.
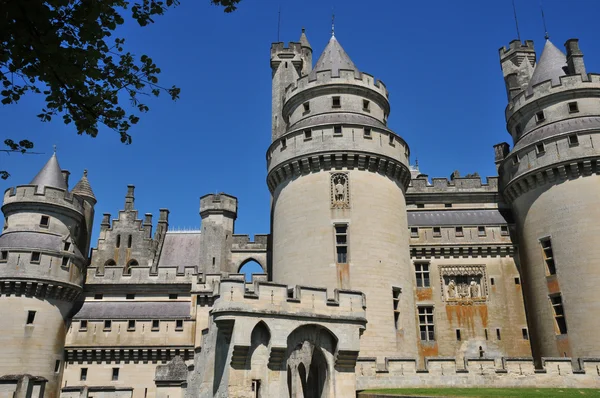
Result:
<point x="306" y="54"/>
<point x="83" y="189"/>
<point x="517" y="63"/>
<point x="218" y="212"/>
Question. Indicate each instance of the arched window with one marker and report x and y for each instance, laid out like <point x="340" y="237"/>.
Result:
<point x="129" y="241"/>
<point x="110" y="262"/>
<point x="118" y="241"/>
<point x="250" y="267"/>
<point x="130" y="263"/>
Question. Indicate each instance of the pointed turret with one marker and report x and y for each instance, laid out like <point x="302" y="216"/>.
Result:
<point x="304" y="40"/>
<point x="333" y="58"/>
<point x="84" y="189"/>
<point x="551" y="66"/>
<point x="50" y="176"/>
<point x="306" y="54"/>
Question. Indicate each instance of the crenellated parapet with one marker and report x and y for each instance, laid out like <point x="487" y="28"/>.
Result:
<point x="502" y="372"/>
<point x="455" y="185"/>
<point x="29" y="195"/>
<point x="122" y="275"/>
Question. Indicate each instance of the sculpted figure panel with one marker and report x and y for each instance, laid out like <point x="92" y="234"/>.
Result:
<point x="463" y="283"/>
<point x="340" y="191"/>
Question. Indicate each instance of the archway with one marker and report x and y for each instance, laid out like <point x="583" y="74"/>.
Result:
<point x="249" y="267"/>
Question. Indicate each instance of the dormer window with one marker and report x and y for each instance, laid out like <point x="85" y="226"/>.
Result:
<point x="336" y="102"/>
<point x="306" y="106"/>
<point x="45" y="221"/>
<point x="366" y="106"/>
<point x="540" y="117"/>
<point x="573" y="107"/>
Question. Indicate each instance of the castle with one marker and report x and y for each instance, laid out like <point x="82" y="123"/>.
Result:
<point x="374" y="275"/>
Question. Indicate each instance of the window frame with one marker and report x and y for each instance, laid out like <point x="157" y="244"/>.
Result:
<point x="307" y="134"/>
<point x="396" y="293"/>
<point x="179" y="325"/>
<point x="573" y="140"/>
<point x="422" y="274"/>
<point x="30" y="317"/>
<point x="38" y="259"/>
<point x="45" y="224"/>
<point x="107" y="325"/>
<point x="414" y="232"/>
<point x="83" y="325"/>
<point x="573" y="107"/>
<point x="115" y="374"/>
<point x="558" y="311"/>
<point x="459" y="232"/>
<point x="83" y="374"/>
<point x="336" y="101"/>
<point x="426" y="327"/>
<point x="548" y="255"/>
<point x="342" y="250"/>
<point x="305" y="107"/>
<point x="366" y="105"/>
<point x="540" y="117"/>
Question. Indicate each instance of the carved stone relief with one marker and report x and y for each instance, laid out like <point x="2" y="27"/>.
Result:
<point x="463" y="283"/>
<point x="340" y="191"/>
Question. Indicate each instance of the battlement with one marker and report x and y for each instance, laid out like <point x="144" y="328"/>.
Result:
<point x="140" y="275"/>
<point x="516" y="45"/>
<point x="478" y="372"/>
<point x="456" y="185"/>
<point x="326" y="77"/>
<point x="568" y="84"/>
<point x="49" y="195"/>
<point x="243" y="241"/>
<point x="221" y="203"/>
<point x="292" y="48"/>
<point x="267" y="296"/>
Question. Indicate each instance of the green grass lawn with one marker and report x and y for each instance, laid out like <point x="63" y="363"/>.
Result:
<point x="492" y="392"/>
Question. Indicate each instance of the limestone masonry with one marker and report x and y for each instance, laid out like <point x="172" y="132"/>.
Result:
<point x="374" y="275"/>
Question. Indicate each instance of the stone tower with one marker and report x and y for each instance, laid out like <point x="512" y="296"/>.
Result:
<point x="42" y="266"/>
<point x="218" y="213"/>
<point x="551" y="179"/>
<point x="338" y="176"/>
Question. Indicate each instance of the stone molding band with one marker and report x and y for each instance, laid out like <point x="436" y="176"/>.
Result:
<point x="551" y="174"/>
<point x="462" y="251"/>
<point x="42" y="290"/>
<point x="306" y="164"/>
<point x="131" y="354"/>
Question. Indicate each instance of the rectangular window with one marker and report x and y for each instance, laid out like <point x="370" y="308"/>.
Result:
<point x="65" y="261"/>
<point x="4" y="255"/>
<point x="426" y="326"/>
<point x="515" y="160"/>
<point x="67" y="246"/>
<point x="420" y="205"/>
<point x="540" y="117"/>
<point x="115" y="374"/>
<point x="107" y="325"/>
<point x="57" y="366"/>
<point x="548" y="255"/>
<point x="486" y="333"/>
<point x="155" y="325"/>
<point x="83" y="374"/>
<point x="179" y="325"/>
<point x="396" y="295"/>
<point x="458" y="337"/>
<point x="131" y="325"/>
<point x="437" y="232"/>
<point x="366" y="106"/>
<point x="306" y="106"/>
<point x="367" y="132"/>
<point x="391" y="139"/>
<point x="341" y="243"/>
<point x="459" y="231"/>
<point x="422" y="273"/>
<point x="517" y="281"/>
<point x="504" y="230"/>
<point x="283" y="144"/>
<point x="540" y="149"/>
<point x="35" y="257"/>
<point x="559" y="314"/>
<point x="447" y="204"/>
<point x="492" y="281"/>
<point x="44" y="221"/>
<point x="573" y="107"/>
<point x="414" y="232"/>
<point x="573" y="140"/>
<point x="83" y="325"/>
<point x="30" y="317"/>
<point x="307" y="134"/>
<point x="336" y="102"/>
<point x="337" y="130"/>
<point x="130" y="296"/>
<point x="173" y="296"/>
<point x="98" y="296"/>
<point x="481" y="231"/>
<point x="498" y="334"/>
<point x="525" y="334"/>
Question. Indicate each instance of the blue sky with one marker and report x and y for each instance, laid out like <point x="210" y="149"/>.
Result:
<point x="439" y="60"/>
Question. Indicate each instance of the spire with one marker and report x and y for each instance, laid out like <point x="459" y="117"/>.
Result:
<point x="551" y="66"/>
<point x="83" y="188"/>
<point x="333" y="58"/>
<point x="303" y="40"/>
<point x="50" y="176"/>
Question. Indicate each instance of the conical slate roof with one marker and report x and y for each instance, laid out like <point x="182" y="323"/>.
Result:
<point x="50" y="176"/>
<point x="304" y="40"/>
<point x="550" y="67"/>
<point x="333" y="58"/>
<point x="83" y="187"/>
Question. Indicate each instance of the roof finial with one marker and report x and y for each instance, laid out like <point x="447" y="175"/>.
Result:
<point x="85" y="172"/>
<point x="332" y="23"/>
<point x="546" y="36"/>
<point x="516" y="20"/>
<point x="54" y="146"/>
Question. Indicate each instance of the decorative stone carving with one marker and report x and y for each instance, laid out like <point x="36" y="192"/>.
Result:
<point x="340" y="191"/>
<point x="463" y="283"/>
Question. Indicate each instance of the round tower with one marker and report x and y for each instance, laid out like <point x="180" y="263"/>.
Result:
<point x="42" y="267"/>
<point x="551" y="178"/>
<point x="338" y="175"/>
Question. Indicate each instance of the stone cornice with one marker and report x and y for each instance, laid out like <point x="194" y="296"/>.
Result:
<point x="337" y="160"/>
<point x="454" y="251"/>
<point x="39" y="289"/>
<point x="153" y="354"/>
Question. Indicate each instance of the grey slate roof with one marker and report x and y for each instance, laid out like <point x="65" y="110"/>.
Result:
<point x="550" y="67"/>
<point x="50" y="176"/>
<point x="33" y="240"/>
<point x="338" y="118"/>
<point x="134" y="310"/>
<point x="83" y="187"/>
<point x="558" y="128"/>
<point x="304" y="40"/>
<point x="180" y="249"/>
<point x="333" y="58"/>
<point x="429" y="218"/>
